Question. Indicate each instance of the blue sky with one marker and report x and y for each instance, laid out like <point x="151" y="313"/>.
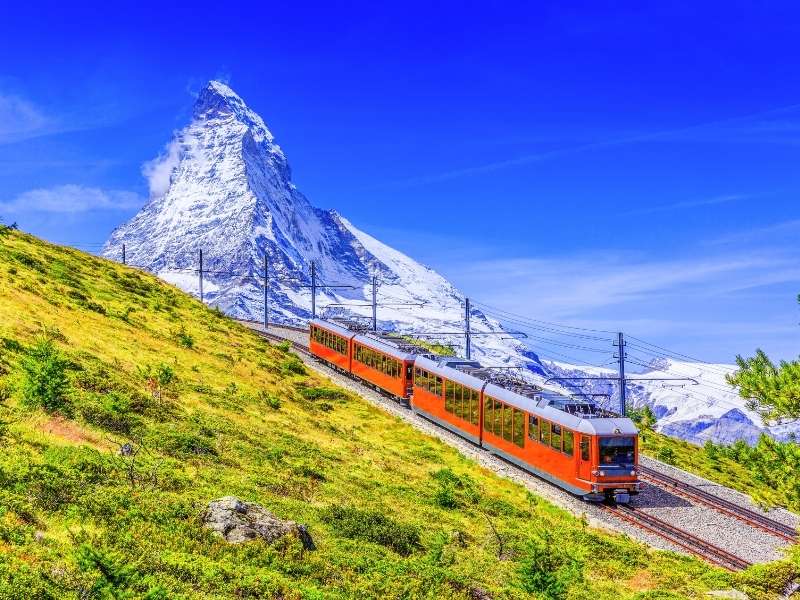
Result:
<point x="629" y="168"/>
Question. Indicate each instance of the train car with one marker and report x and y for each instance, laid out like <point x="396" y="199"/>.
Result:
<point x="565" y="441"/>
<point x="383" y="364"/>
<point x="331" y="342"/>
<point x="569" y="442"/>
<point x="449" y="397"/>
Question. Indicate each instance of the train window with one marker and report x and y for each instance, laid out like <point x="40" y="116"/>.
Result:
<point x="533" y="427"/>
<point x="519" y="428"/>
<point x="617" y="451"/>
<point x="569" y="442"/>
<point x="508" y="423"/>
<point x="498" y="418"/>
<point x="544" y="432"/>
<point x="449" y="396"/>
<point x="475" y="406"/>
<point x="555" y="437"/>
<point x="584" y="448"/>
<point x="488" y="414"/>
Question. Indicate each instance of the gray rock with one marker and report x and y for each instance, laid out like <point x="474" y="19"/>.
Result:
<point x="237" y="521"/>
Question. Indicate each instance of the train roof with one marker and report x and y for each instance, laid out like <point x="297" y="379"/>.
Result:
<point x="388" y="344"/>
<point x="575" y="413"/>
<point x="578" y="414"/>
<point x="334" y="327"/>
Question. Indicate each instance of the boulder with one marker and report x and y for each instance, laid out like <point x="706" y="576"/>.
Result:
<point x="238" y="521"/>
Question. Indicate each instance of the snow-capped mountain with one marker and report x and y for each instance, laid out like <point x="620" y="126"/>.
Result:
<point x="224" y="187"/>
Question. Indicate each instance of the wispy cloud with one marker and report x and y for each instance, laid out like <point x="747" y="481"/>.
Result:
<point x="20" y="119"/>
<point x="765" y="233"/>
<point x="698" y="131"/>
<point x="689" y="204"/>
<point x="570" y="289"/>
<point x="69" y="199"/>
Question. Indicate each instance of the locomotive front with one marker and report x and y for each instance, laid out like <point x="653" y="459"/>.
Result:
<point x="614" y="474"/>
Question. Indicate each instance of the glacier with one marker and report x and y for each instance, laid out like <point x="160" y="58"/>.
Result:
<point x="223" y="186"/>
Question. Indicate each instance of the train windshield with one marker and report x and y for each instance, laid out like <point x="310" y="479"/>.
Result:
<point x="617" y="451"/>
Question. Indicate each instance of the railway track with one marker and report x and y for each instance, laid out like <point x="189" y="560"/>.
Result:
<point x="746" y="515"/>
<point x="683" y="539"/>
<point x="678" y="537"/>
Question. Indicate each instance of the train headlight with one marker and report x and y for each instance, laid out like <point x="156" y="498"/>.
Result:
<point x="602" y="473"/>
<point x="633" y="473"/>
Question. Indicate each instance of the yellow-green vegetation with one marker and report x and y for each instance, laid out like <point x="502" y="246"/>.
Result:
<point x="127" y="406"/>
<point x="433" y="347"/>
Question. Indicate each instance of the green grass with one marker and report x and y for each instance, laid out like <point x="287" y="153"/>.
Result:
<point x="433" y="347"/>
<point x="213" y="410"/>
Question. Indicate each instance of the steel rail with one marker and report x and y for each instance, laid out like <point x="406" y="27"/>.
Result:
<point x="749" y="516"/>
<point x="683" y="539"/>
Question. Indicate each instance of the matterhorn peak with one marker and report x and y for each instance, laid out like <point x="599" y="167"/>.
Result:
<point x="227" y="192"/>
<point x="218" y="101"/>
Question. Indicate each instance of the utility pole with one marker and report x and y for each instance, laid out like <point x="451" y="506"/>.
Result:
<point x="201" y="274"/>
<point x="374" y="303"/>
<point x="467" y="332"/>
<point x="266" y="291"/>
<point x="313" y="291"/>
<point x="622" y="382"/>
<point x="124" y="261"/>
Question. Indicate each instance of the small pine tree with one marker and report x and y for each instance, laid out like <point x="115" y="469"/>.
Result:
<point x="45" y="383"/>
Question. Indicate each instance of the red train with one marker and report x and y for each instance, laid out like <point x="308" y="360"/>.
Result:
<point x="569" y="442"/>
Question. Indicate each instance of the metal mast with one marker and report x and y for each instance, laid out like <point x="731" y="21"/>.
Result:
<point x="313" y="290"/>
<point x="467" y="332"/>
<point x="374" y="303"/>
<point x="623" y="396"/>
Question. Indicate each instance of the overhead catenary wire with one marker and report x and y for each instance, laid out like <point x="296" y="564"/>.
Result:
<point x="543" y="337"/>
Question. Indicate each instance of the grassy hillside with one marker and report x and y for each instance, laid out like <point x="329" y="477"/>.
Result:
<point x="94" y="355"/>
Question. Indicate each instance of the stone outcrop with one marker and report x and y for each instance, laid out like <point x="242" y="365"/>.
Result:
<point x="238" y="521"/>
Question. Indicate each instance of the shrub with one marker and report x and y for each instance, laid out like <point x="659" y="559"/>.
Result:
<point x="180" y="443"/>
<point x="114" y="577"/>
<point x="284" y="346"/>
<point x="112" y="411"/>
<point x="453" y="490"/>
<point x="292" y="366"/>
<point x="12" y="345"/>
<point x="270" y="400"/>
<point x="6" y="389"/>
<point x="374" y="527"/>
<point x="549" y="571"/>
<point x="184" y="338"/>
<point x="666" y="455"/>
<point x="125" y="314"/>
<point x="159" y="379"/>
<point x="45" y="382"/>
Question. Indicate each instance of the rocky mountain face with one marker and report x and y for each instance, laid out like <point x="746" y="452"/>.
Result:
<point x="224" y="187"/>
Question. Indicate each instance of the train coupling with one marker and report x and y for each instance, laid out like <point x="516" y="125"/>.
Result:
<point x="622" y="496"/>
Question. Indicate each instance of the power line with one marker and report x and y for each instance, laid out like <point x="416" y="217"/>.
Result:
<point x="550" y="323"/>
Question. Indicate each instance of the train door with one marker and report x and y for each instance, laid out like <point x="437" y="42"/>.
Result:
<point x="585" y="458"/>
